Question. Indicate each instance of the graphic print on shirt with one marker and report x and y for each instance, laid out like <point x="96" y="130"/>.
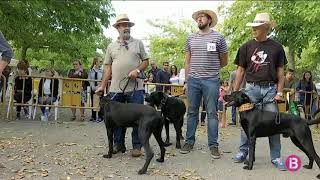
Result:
<point x="258" y="58"/>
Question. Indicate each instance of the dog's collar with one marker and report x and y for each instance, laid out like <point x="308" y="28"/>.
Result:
<point x="246" y="107"/>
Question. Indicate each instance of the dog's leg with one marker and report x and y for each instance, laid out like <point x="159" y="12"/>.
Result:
<point x="166" y="125"/>
<point x="110" y="142"/>
<point x="144" y="135"/>
<point x="298" y="144"/>
<point x="123" y="137"/>
<point x="181" y="124"/>
<point x="306" y="142"/>
<point x="252" y="146"/>
<point x="157" y="135"/>
<point x="178" y="133"/>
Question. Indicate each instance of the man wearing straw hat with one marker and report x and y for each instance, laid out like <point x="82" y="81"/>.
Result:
<point x="206" y="53"/>
<point x="125" y="58"/>
<point x="261" y="60"/>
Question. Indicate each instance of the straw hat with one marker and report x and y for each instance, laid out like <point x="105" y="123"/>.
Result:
<point x="123" y="18"/>
<point x="260" y="19"/>
<point x="210" y="13"/>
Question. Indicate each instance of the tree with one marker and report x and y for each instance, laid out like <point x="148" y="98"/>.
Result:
<point x="296" y="24"/>
<point x="169" y="45"/>
<point x="71" y="27"/>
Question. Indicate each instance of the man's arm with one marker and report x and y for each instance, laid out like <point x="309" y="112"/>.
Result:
<point x="239" y="78"/>
<point x="223" y="59"/>
<point x="187" y="65"/>
<point x="280" y="76"/>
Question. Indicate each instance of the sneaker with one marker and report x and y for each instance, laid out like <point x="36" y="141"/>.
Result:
<point x="136" y="153"/>
<point x="240" y="157"/>
<point x="215" y="152"/>
<point x="186" y="148"/>
<point x="279" y="164"/>
<point x="44" y="118"/>
<point x="99" y="120"/>
<point x="231" y="124"/>
<point x="92" y="119"/>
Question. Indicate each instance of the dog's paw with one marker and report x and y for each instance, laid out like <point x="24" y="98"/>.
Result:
<point x="160" y="160"/>
<point x="307" y="166"/>
<point x="178" y="146"/>
<point x="166" y="144"/>
<point x="318" y="176"/>
<point x="247" y="168"/>
<point x="107" y="156"/>
<point x="142" y="171"/>
<point x="246" y="162"/>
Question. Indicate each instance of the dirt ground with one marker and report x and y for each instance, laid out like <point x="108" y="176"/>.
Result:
<point x="30" y="149"/>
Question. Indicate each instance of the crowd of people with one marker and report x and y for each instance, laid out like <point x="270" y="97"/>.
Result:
<point x="260" y="73"/>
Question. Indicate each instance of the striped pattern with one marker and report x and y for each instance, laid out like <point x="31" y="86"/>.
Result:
<point x="205" y="64"/>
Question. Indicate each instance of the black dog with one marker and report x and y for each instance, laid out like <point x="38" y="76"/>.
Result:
<point x="173" y="110"/>
<point x="258" y="123"/>
<point x="146" y="118"/>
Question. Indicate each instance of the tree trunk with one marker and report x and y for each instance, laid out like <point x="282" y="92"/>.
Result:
<point x="52" y="63"/>
<point x="291" y="58"/>
<point x="24" y="52"/>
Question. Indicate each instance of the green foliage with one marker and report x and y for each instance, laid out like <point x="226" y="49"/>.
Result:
<point x="169" y="45"/>
<point x="296" y="27"/>
<point x="55" y="30"/>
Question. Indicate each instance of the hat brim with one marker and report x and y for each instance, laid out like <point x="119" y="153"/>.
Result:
<point x="254" y="24"/>
<point x="130" y="23"/>
<point x="210" y="13"/>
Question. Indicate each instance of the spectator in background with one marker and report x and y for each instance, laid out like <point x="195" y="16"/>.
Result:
<point x="95" y="73"/>
<point x="48" y="92"/>
<point x="79" y="72"/>
<point x="290" y="81"/>
<point x="150" y="88"/>
<point x="22" y="88"/>
<point x="154" y="70"/>
<point x="221" y="107"/>
<point x="306" y="89"/>
<point x="163" y="77"/>
<point x="174" y="79"/>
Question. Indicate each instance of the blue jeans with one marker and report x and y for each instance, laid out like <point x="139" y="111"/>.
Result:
<point x="209" y="90"/>
<point x="47" y="102"/>
<point x="136" y="97"/>
<point x="234" y="114"/>
<point x="265" y="96"/>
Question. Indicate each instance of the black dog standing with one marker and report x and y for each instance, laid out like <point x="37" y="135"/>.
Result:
<point x="257" y="123"/>
<point x="148" y="120"/>
<point x="173" y="110"/>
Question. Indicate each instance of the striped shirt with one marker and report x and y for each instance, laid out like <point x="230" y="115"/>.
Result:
<point x="205" y="64"/>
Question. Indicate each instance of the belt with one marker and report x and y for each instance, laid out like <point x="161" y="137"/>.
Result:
<point x="263" y="83"/>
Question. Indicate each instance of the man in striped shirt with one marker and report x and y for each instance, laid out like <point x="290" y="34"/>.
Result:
<point x="206" y="53"/>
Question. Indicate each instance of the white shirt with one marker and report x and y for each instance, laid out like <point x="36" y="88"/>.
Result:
<point x="46" y="87"/>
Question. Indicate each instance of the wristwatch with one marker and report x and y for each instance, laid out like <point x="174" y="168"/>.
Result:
<point x="280" y="94"/>
<point x="138" y="71"/>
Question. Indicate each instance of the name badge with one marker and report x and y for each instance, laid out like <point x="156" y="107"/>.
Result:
<point x="211" y="47"/>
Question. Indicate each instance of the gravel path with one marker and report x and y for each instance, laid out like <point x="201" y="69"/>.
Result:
<point x="30" y="149"/>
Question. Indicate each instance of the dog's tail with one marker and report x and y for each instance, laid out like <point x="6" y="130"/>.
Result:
<point x="313" y="121"/>
<point x="314" y="118"/>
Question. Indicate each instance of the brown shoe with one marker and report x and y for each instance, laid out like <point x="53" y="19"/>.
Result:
<point x="136" y="153"/>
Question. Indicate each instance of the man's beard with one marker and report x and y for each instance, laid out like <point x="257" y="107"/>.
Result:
<point x="202" y="26"/>
<point x="125" y="35"/>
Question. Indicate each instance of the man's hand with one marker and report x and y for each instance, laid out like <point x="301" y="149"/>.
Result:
<point x="185" y="88"/>
<point x="100" y="90"/>
<point x="133" y="74"/>
<point x="278" y="98"/>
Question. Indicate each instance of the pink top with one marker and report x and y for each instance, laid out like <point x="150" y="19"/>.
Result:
<point x="222" y="92"/>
